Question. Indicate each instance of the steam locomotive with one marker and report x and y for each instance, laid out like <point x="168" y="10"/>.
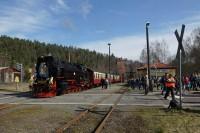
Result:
<point x="54" y="77"/>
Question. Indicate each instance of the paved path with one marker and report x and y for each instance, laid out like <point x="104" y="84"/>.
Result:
<point x="89" y="97"/>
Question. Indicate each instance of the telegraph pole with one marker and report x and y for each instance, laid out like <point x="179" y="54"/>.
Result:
<point x="69" y="57"/>
<point x="109" y="66"/>
<point x="148" y="61"/>
<point x="21" y="72"/>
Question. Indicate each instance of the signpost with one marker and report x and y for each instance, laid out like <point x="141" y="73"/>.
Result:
<point x="180" y="53"/>
<point x="20" y="68"/>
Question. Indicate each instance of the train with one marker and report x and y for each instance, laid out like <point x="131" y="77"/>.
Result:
<point x="55" y="77"/>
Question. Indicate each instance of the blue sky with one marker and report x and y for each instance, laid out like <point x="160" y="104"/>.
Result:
<point x="92" y="24"/>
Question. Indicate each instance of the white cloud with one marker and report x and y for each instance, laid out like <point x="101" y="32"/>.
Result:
<point x="85" y="8"/>
<point x="127" y="46"/>
<point x="60" y="6"/>
<point x="62" y="3"/>
<point x="131" y="46"/>
<point x="22" y="20"/>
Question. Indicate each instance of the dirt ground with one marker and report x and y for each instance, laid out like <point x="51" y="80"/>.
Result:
<point x="23" y="87"/>
<point x="141" y="120"/>
<point x="153" y="120"/>
<point x="34" y="118"/>
<point x="46" y="118"/>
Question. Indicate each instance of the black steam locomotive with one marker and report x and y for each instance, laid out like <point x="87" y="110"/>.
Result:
<point x="54" y="77"/>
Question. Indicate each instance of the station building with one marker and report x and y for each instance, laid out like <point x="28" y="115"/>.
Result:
<point x="8" y="74"/>
<point x="156" y="70"/>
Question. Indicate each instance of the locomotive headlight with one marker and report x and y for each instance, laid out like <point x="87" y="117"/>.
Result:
<point x="51" y="80"/>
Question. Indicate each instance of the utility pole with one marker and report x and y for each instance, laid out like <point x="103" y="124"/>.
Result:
<point x="148" y="88"/>
<point x="69" y="57"/>
<point x="109" y="66"/>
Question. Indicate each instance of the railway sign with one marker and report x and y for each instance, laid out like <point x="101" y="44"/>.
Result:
<point x="180" y="53"/>
<point x="19" y="67"/>
<point x="180" y="39"/>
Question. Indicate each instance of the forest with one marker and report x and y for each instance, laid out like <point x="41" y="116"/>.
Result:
<point x="15" y="50"/>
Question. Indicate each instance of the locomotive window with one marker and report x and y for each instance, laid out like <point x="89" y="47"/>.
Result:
<point x="43" y="70"/>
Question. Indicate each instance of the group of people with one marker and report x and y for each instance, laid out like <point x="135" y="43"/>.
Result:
<point x="104" y="83"/>
<point x="168" y="83"/>
<point x="137" y="83"/>
<point x="191" y="82"/>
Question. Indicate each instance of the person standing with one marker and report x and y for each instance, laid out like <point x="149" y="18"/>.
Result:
<point x="170" y="85"/>
<point x="106" y="83"/>
<point x="162" y="82"/>
<point x="17" y="82"/>
<point x="31" y="80"/>
<point x="102" y="83"/>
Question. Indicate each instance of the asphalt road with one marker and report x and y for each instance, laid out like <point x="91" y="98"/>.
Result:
<point x="88" y="97"/>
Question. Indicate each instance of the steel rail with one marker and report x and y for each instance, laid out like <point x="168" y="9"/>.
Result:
<point x="82" y="114"/>
<point x="101" y="125"/>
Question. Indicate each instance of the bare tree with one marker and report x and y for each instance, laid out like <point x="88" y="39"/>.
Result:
<point x="158" y="51"/>
<point x="143" y="56"/>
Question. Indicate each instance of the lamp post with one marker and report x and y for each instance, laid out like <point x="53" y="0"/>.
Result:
<point x="148" y="61"/>
<point x="109" y="65"/>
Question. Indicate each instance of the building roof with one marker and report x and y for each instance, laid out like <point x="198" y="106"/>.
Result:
<point x="2" y="68"/>
<point x="157" y="65"/>
<point x="9" y="69"/>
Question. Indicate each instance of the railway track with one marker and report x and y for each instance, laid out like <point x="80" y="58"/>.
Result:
<point x="84" y="114"/>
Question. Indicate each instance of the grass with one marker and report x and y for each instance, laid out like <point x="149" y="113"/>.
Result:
<point x="158" y="120"/>
<point x="32" y="119"/>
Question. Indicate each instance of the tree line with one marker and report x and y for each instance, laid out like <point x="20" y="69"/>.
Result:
<point x="15" y="50"/>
